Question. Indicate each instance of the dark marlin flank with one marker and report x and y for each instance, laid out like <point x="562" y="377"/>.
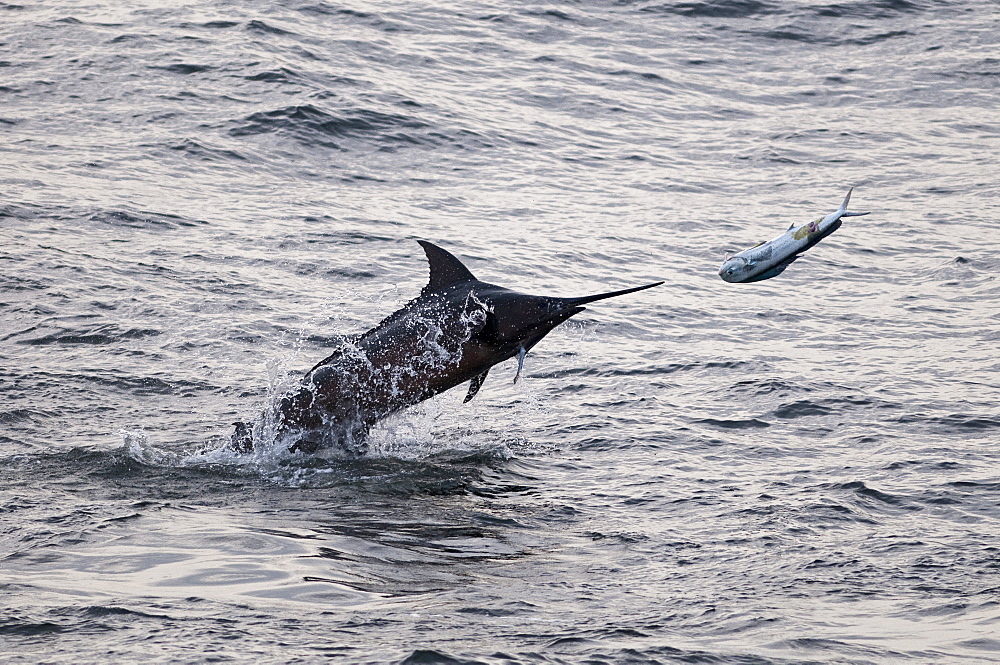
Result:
<point x="453" y="332"/>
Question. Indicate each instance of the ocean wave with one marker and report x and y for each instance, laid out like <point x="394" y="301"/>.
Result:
<point x="142" y="219"/>
<point x="660" y="369"/>
<point x="745" y="423"/>
<point x="314" y="126"/>
<point x="102" y="334"/>
<point x="744" y="9"/>
<point x="263" y="28"/>
<point x="952" y="423"/>
<point x="205" y="152"/>
<point x="716" y="8"/>
<point x="14" y="283"/>
<point x="878" y="9"/>
<point x="184" y="68"/>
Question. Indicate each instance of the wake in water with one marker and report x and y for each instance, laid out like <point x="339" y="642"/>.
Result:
<point x="408" y="452"/>
<point x="403" y="444"/>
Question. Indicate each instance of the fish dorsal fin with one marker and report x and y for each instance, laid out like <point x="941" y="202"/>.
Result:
<point x="445" y="268"/>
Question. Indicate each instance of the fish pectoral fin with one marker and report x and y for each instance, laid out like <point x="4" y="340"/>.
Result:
<point x="775" y="271"/>
<point x="475" y="385"/>
<point x="522" y="352"/>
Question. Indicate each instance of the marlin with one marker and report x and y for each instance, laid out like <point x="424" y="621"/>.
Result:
<point x="454" y="332"/>
<point x="769" y="259"/>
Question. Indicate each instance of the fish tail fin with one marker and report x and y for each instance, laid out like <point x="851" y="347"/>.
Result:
<point x="843" y="207"/>
<point x="847" y="199"/>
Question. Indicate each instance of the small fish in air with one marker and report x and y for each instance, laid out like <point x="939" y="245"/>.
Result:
<point x="769" y="259"/>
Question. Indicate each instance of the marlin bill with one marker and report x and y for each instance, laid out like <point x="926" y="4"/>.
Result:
<point x="769" y="259"/>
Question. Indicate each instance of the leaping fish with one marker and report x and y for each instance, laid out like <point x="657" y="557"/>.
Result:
<point x="769" y="259"/>
<point x="454" y="332"/>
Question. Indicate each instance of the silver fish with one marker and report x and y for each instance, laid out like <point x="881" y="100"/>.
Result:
<point x="769" y="259"/>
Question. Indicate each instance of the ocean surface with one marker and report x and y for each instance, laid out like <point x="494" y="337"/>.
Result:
<point x="197" y="199"/>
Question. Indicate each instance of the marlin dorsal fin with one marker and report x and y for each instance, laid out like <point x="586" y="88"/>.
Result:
<point x="445" y="268"/>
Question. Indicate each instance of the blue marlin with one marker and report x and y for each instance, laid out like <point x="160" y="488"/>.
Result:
<point x="454" y="332"/>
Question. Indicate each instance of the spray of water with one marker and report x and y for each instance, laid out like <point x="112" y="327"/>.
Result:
<point x="410" y="434"/>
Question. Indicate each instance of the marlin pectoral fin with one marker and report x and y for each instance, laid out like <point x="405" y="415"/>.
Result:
<point x="520" y="362"/>
<point x="475" y="385"/>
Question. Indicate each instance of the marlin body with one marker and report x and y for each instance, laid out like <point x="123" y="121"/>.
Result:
<point x="453" y="332"/>
<point x="769" y="259"/>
